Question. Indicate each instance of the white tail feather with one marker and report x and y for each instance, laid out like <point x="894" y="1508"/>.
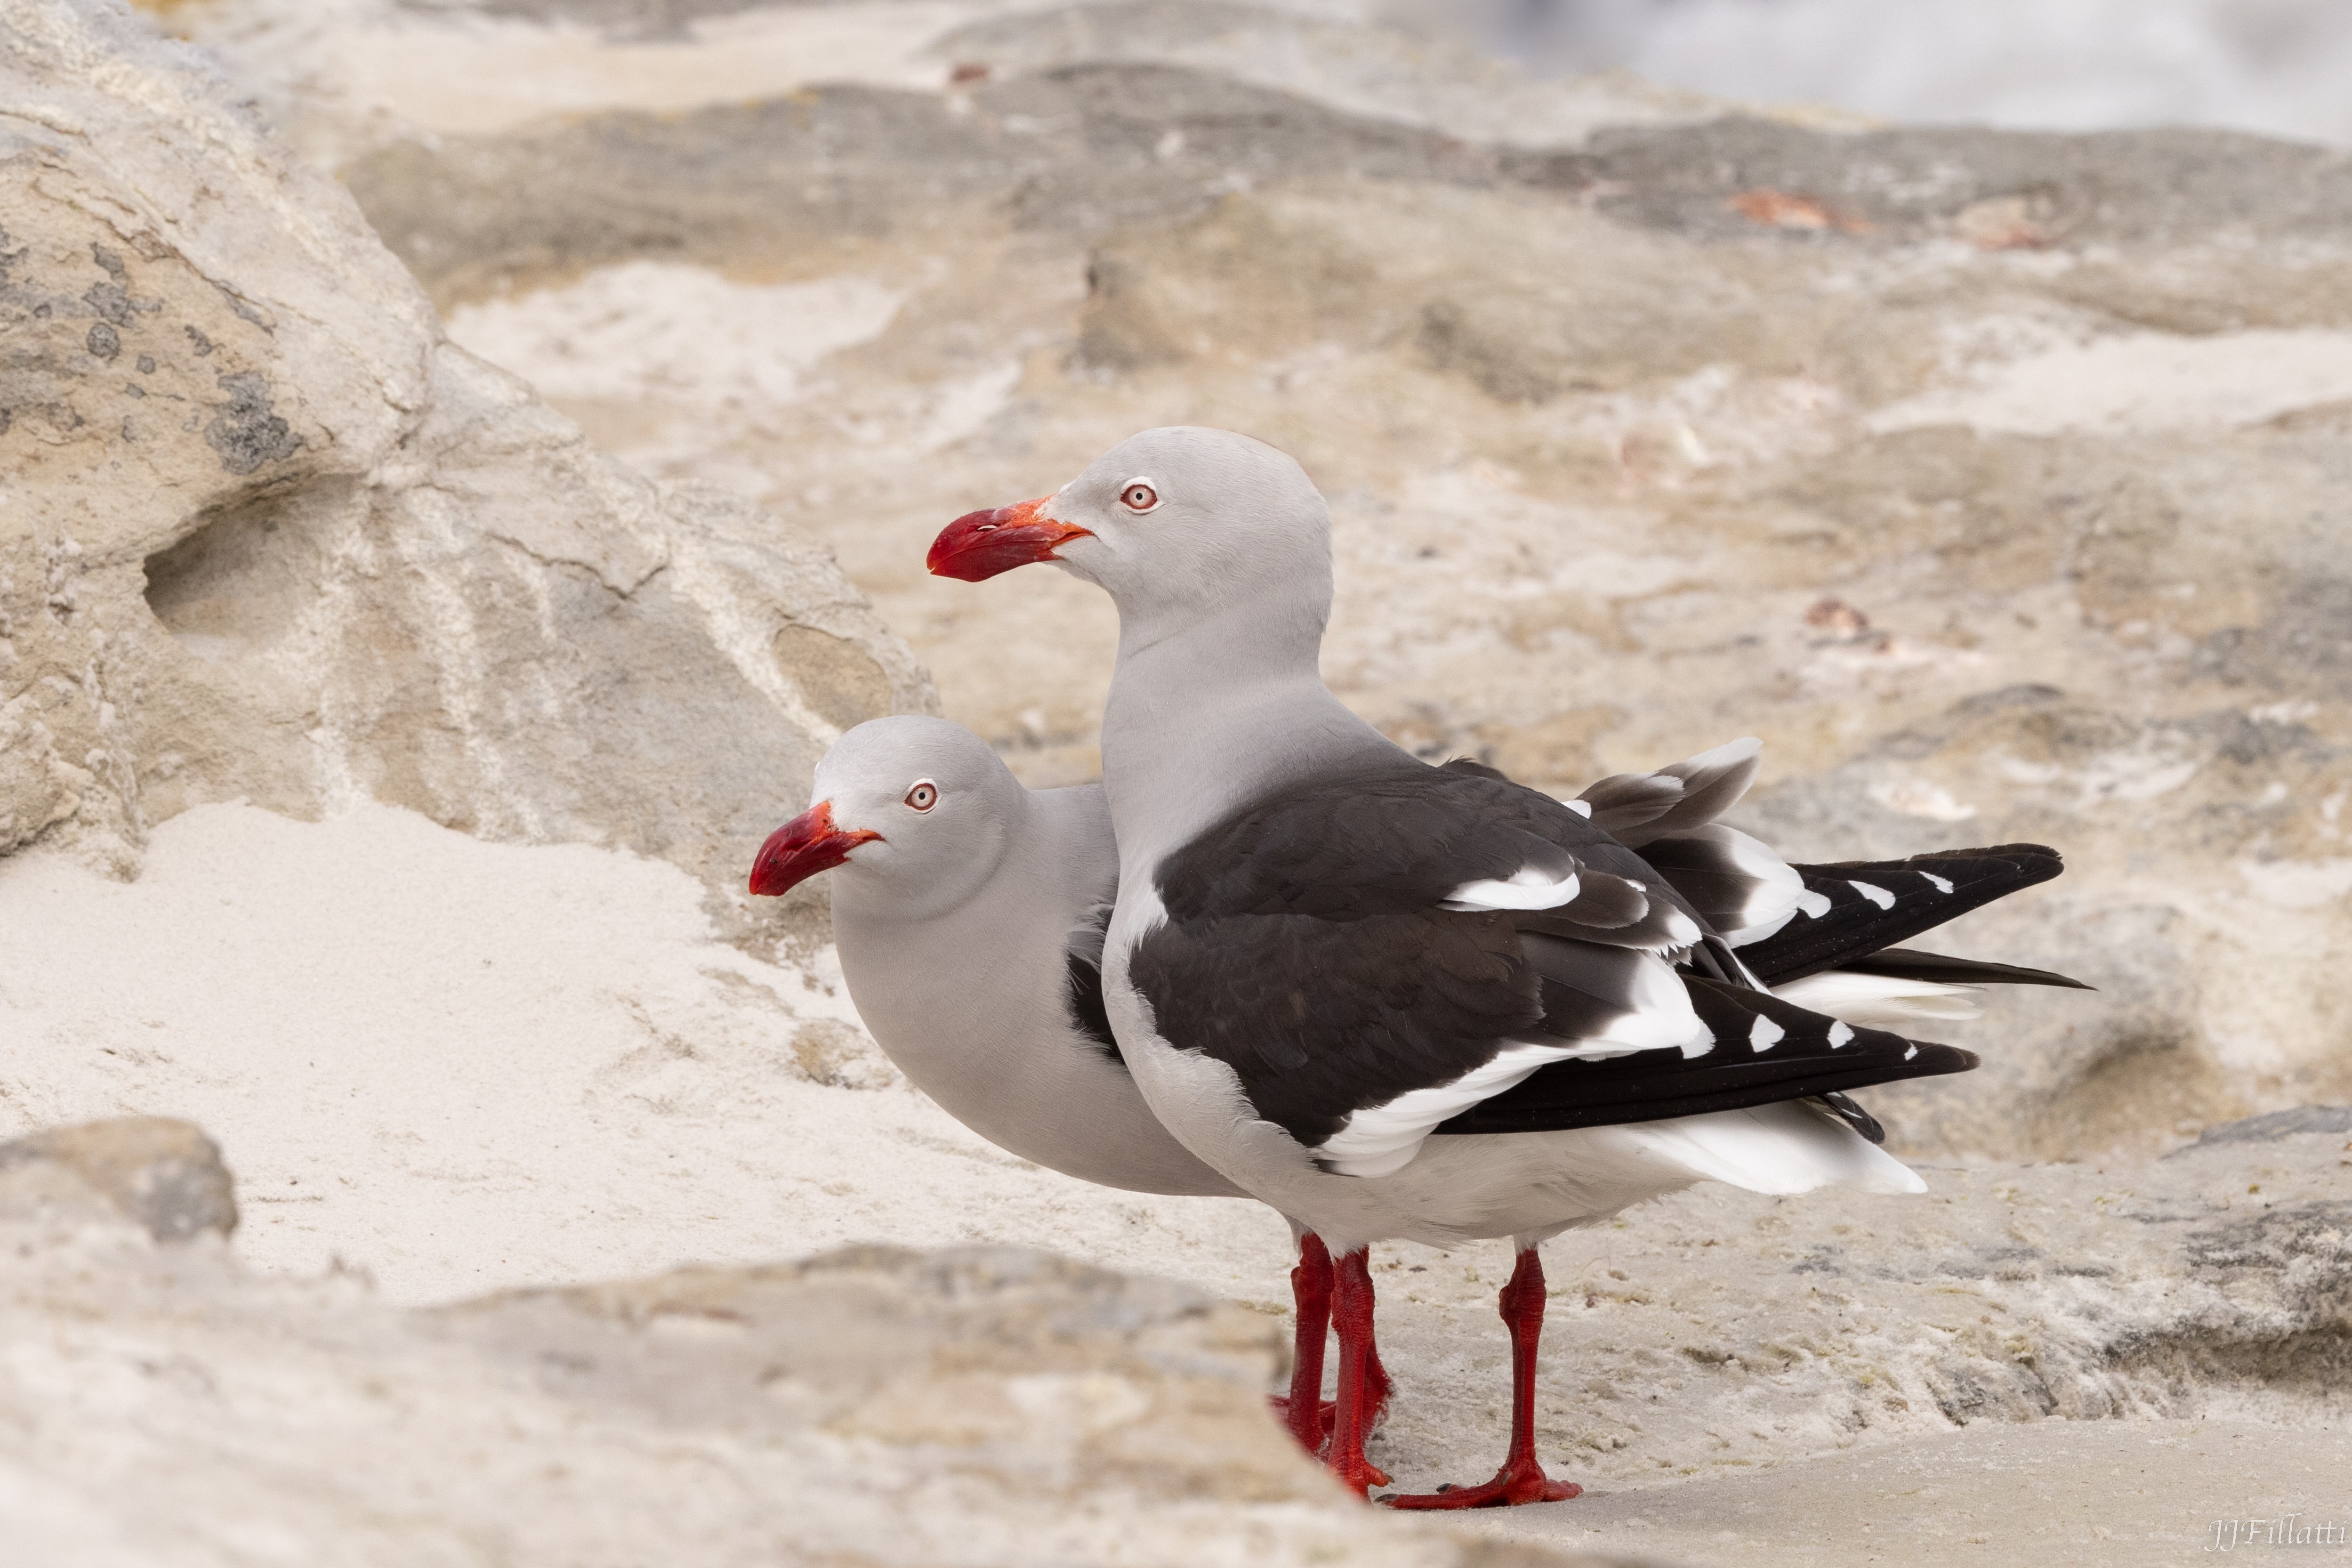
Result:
<point x="1789" y="1147"/>
<point x="1881" y="1001"/>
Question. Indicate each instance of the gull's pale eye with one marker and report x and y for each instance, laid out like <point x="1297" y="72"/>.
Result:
<point x="1138" y="495"/>
<point x="924" y="795"/>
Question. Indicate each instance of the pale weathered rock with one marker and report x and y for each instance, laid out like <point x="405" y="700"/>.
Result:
<point x="2116" y="1494"/>
<point x="975" y="1407"/>
<point x="1716" y="1331"/>
<point x="268" y="535"/>
<point x="1994" y="479"/>
<point x="164" y="1174"/>
<point x="343" y="78"/>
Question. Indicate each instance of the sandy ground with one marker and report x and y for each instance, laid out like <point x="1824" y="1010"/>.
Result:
<point x="465" y="1066"/>
<point x="458" y="1066"/>
<point x="2054" y="1492"/>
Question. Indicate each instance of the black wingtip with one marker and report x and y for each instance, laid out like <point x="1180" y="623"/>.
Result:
<point x="1862" y="920"/>
<point x="1812" y="1057"/>
<point x="1916" y="964"/>
<point x="2039" y="863"/>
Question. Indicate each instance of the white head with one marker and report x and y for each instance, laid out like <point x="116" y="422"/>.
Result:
<point x="1180" y="525"/>
<point x="916" y="812"/>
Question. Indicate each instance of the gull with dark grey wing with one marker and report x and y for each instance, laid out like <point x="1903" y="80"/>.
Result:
<point x="1395" y="1000"/>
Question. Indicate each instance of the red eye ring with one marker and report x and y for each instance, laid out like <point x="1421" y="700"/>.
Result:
<point x="1138" y="495"/>
<point x="924" y="795"/>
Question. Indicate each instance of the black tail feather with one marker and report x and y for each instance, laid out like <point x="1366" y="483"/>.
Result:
<point x="1843" y="1107"/>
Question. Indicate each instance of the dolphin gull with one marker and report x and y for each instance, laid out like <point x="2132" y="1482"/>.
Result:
<point x="1399" y="1000"/>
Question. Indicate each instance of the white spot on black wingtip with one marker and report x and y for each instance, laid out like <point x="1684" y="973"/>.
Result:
<point x="1937" y="882"/>
<point x="1581" y="808"/>
<point x="1840" y="1032"/>
<point x="1764" y="1034"/>
<point x="1812" y="905"/>
<point x="1873" y="891"/>
<point x="1910" y="1052"/>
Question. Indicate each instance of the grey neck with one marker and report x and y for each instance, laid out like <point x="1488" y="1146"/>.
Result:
<point x="973" y="1006"/>
<point x="1206" y="718"/>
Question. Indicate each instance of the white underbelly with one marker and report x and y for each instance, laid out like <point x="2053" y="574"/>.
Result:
<point x="1466" y="1188"/>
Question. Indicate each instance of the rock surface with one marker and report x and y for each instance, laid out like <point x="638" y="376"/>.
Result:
<point x="1719" y="1331"/>
<point x="1995" y="479"/>
<point x="427" y="1081"/>
<point x="164" y="1174"/>
<point x="268" y="536"/>
<point x="2121" y="1494"/>
<point x="976" y="1407"/>
<point x="2128" y="1356"/>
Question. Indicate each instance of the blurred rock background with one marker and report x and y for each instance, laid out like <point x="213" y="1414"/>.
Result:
<point x="1995" y="478"/>
<point x="2271" y="65"/>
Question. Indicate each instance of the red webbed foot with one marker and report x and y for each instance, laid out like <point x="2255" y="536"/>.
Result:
<point x="1521" y="1479"/>
<point x="1514" y="1484"/>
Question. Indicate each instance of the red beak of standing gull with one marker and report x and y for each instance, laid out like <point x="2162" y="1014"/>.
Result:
<point x="803" y="847"/>
<point x="979" y="545"/>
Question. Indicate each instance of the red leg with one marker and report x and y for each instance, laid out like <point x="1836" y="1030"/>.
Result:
<point x="1310" y="1292"/>
<point x="1521" y="1478"/>
<point x="1377" y="1385"/>
<point x="1351" y="1419"/>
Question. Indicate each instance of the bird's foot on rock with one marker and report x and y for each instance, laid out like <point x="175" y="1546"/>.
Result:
<point x="1513" y="1484"/>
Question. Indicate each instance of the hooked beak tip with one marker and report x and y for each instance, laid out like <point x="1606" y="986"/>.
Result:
<point x="979" y="545"/>
<point x="803" y="847"/>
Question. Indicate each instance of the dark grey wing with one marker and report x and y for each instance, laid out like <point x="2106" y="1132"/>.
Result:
<point x="1321" y="1019"/>
<point x="1400" y="837"/>
<point x="1088" y="1016"/>
<point x="1353" y="950"/>
<point x="1083" y="952"/>
<point x="1328" y="945"/>
<point x="1636" y="808"/>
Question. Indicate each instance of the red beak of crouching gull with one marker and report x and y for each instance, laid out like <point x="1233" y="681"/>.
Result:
<point x="979" y="545"/>
<point x="971" y="949"/>
<point x="803" y="847"/>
